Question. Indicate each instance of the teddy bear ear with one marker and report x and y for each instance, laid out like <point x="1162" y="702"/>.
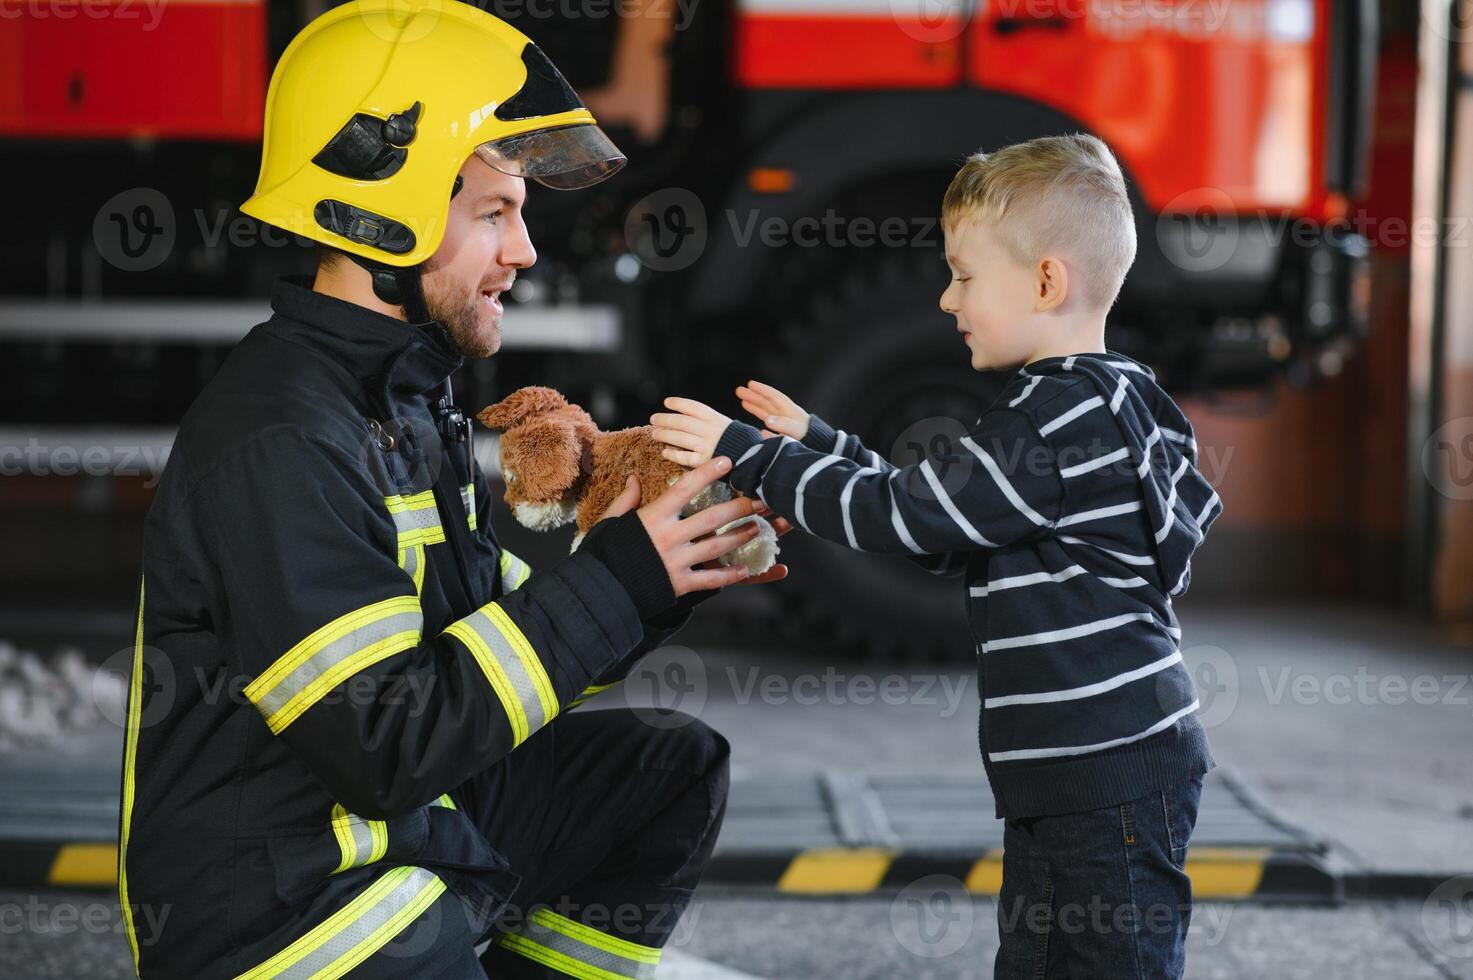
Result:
<point x="520" y="405"/>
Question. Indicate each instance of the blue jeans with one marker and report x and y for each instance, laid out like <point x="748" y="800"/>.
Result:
<point x="1098" y="895"/>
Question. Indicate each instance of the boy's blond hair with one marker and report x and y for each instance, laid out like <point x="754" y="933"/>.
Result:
<point x="1062" y="195"/>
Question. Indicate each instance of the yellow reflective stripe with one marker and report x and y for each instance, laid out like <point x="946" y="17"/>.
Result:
<point x="412" y="560"/>
<point x="300" y="677"/>
<point x="130" y="752"/>
<point x="511" y="666"/>
<point x="468" y="497"/>
<point x="357" y="930"/>
<point x="578" y="951"/>
<point x="495" y="675"/>
<point x="602" y="940"/>
<point x="589" y="692"/>
<point x="360" y="841"/>
<point x="416" y="518"/>
<point x="531" y="663"/>
<point x="514" y="571"/>
<point x="445" y="801"/>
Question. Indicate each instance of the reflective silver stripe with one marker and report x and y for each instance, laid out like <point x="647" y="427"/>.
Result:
<point x="468" y="498"/>
<point x="412" y="560"/>
<point x="301" y="676"/>
<point x="577" y="950"/>
<point x="514" y="571"/>
<point x="416" y="517"/>
<point x="357" y="930"/>
<point x="511" y="667"/>
<point x="360" y="841"/>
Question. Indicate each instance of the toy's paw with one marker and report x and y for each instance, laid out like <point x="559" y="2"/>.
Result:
<point x="757" y="555"/>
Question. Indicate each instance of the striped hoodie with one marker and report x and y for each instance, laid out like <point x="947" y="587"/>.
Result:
<point x="1073" y="508"/>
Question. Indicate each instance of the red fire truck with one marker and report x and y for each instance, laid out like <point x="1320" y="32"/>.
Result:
<point x="781" y="225"/>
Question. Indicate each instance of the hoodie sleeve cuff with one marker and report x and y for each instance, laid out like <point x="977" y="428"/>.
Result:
<point x="736" y="440"/>
<point x="821" y="437"/>
<point x="624" y="546"/>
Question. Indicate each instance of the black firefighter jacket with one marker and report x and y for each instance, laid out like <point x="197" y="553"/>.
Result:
<point x="329" y="639"/>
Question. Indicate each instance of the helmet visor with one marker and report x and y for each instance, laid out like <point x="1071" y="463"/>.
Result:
<point x="564" y="158"/>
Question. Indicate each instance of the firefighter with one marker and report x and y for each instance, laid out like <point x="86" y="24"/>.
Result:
<point x="349" y="745"/>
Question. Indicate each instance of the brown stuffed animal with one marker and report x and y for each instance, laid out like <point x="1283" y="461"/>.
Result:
<point x="559" y="468"/>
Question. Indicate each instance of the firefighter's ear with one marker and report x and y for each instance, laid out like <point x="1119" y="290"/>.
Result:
<point x="521" y="405"/>
<point x="550" y="456"/>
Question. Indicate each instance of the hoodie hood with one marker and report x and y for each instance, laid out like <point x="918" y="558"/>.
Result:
<point x="1179" y="502"/>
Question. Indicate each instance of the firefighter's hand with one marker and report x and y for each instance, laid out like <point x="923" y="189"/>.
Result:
<point x="778" y="413"/>
<point x="690" y="432"/>
<point x="688" y="544"/>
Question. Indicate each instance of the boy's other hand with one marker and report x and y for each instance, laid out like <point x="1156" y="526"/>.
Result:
<point x="778" y="413"/>
<point x="690" y="432"/>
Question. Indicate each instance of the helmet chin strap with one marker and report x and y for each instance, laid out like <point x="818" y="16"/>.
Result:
<point x="400" y="285"/>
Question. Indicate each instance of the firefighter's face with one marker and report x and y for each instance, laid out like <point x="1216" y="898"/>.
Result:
<point x="992" y="296"/>
<point x="485" y="243"/>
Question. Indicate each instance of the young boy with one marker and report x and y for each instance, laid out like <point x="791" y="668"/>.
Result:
<point x="1074" y="506"/>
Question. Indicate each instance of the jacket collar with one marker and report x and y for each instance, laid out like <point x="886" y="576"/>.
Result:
<point x="1111" y="359"/>
<point x="382" y="352"/>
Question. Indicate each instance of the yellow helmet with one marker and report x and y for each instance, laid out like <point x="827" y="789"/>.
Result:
<point x="376" y="105"/>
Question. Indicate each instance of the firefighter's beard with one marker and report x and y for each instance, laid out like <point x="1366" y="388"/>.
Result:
<point x="472" y="324"/>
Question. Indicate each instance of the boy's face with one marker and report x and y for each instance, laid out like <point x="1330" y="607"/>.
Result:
<point x="992" y="295"/>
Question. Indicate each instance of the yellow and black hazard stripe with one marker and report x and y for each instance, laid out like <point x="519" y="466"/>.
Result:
<point x="1217" y="873"/>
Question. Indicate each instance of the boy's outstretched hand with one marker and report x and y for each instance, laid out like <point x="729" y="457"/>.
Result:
<point x="778" y="413"/>
<point x="690" y="433"/>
